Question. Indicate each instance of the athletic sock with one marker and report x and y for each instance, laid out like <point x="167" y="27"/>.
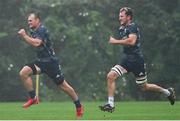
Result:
<point x="32" y="94"/>
<point x="77" y="103"/>
<point x="111" y="101"/>
<point x="166" y="92"/>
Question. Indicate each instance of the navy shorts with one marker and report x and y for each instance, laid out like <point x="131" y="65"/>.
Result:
<point x="137" y="67"/>
<point x="51" y="68"/>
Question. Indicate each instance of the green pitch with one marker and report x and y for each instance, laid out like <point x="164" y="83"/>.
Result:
<point x="66" y="111"/>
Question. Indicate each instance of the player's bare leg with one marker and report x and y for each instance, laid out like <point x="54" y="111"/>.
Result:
<point x="111" y="85"/>
<point x="169" y="93"/>
<point x="25" y="74"/>
<point x="26" y="79"/>
<point x="70" y="91"/>
<point x="115" y="72"/>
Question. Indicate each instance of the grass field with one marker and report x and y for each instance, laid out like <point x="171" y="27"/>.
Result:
<point x="66" y="111"/>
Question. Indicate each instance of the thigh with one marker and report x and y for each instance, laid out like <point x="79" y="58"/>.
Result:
<point x="117" y="71"/>
<point x="34" y="66"/>
<point x="26" y="70"/>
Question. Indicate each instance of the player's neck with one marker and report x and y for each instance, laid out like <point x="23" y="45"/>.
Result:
<point x="129" y="22"/>
<point x="37" y="26"/>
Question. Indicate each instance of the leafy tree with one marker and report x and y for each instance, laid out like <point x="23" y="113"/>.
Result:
<point x="80" y="30"/>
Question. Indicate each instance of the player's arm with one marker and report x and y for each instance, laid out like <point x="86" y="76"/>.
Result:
<point x="32" y="41"/>
<point x="131" y="40"/>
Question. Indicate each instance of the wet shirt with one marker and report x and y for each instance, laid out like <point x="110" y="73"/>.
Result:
<point x="45" y="51"/>
<point x="131" y="51"/>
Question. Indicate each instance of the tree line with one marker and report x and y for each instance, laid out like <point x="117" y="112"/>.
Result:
<point x="80" y="30"/>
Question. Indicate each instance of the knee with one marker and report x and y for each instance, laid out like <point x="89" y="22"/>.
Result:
<point x="25" y="72"/>
<point x="21" y="73"/>
<point x="111" y="76"/>
<point x="144" y="87"/>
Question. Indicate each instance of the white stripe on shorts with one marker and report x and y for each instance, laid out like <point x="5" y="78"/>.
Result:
<point x="117" y="69"/>
<point x="141" y="80"/>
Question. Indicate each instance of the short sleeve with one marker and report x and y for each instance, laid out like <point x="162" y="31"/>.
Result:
<point x="132" y="29"/>
<point x="41" y="33"/>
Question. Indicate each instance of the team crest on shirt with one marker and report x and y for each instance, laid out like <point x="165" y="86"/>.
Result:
<point x="141" y="74"/>
<point x="57" y="76"/>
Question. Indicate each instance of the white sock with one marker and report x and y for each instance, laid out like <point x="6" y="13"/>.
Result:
<point x="166" y="92"/>
<point x="111" y="101"/>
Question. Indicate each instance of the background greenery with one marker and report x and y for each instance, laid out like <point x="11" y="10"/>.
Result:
<point x="80" y="30"/>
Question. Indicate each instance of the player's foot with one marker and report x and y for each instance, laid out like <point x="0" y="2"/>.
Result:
<point x="79" y="111"/>
<point x="107" y="107"/>
<point x="30" y="102"/>
<point x="172" y="96"/>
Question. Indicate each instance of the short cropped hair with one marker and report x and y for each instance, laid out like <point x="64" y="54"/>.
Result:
<point x="36" y="14"/>
<point x="128" y="11"/>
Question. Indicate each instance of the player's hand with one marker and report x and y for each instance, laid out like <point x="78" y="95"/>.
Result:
<point x="22" y="32"/>
<point x="112" y="40"/>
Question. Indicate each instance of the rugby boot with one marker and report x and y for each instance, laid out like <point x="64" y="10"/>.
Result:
<point x="172" y="96"/>
<point x="30" y="102"/>
<point x="107" y="107"/>
<point x="79" y="111"/>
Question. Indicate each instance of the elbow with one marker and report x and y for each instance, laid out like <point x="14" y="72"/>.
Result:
<point x="132" y="43"/>
<point x="36" y="44"/>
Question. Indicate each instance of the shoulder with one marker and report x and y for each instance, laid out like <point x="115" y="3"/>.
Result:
<point x="42" y="29"/>
<point x="132" y="27"/>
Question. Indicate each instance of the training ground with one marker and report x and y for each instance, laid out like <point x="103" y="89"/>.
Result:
<point x="66" y="111"/>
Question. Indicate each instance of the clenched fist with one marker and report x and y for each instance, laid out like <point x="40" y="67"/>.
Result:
<point x="112" y="40"/>
<point x="22" y="32"/>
